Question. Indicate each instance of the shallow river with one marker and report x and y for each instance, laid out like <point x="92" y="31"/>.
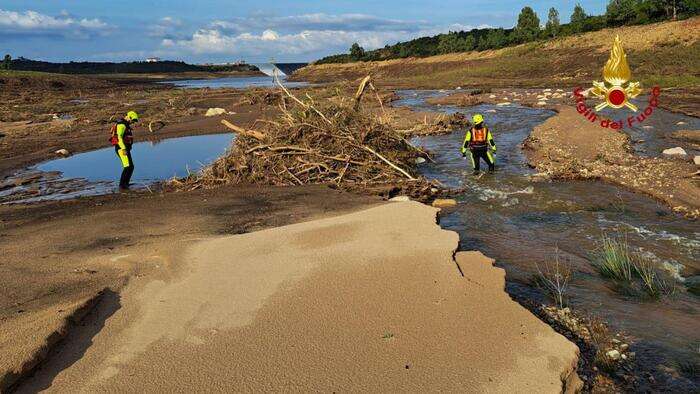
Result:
<point x="518" y="221"/>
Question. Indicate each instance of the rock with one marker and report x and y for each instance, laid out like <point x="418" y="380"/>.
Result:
<point x="696" y="160"/>
<point x="624" y="346"/>
<point x="677" y="151"/>
<point x="444" y="203"/>
<point x="493" y="96"/>
<point x="681" y="123"/>
<point x="215" y="112"/>
<point x="400" y="199"/>
<point x="547" y="90"/>
<point x="458" y="88"/>
<point x="503" y="104"/>
<point x="63" y="152"/>
<point x="420" y="160"/>
<point x="693" y="285"/>
<point x="613" y="354"/>
<point x="541" y="103"/>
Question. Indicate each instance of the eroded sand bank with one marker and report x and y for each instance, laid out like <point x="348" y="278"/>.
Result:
<point x="369" y="301"/>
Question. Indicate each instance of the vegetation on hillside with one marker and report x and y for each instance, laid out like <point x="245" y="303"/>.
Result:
<point x="528" y="29"/>
<point x="22" y="64"/>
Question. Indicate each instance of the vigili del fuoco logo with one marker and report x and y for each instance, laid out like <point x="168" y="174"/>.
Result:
<point x="615" y="92"/>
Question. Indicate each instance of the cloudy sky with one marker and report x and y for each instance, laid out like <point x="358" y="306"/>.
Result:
<point x="256" y="31"/>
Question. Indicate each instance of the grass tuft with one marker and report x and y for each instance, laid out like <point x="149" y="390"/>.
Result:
<point x="633" y="273"/>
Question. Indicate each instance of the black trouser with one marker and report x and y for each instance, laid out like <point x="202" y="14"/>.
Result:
<point x="127" y="170"/>
<point x="479" y="153"/>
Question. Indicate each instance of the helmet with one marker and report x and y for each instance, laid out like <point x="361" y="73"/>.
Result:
<point x="132" y="116"/>
<point x="477" y="119"/>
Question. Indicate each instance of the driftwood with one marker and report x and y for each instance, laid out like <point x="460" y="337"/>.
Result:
<point x="329" y="142"/>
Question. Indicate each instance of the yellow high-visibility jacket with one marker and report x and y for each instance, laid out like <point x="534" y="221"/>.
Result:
<point x="468" y="138"/>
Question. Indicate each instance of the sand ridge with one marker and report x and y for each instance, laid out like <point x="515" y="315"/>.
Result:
<point x="368" y="301"/>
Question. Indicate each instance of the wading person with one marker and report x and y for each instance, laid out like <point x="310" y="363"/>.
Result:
<point x="122" y="138"/>
<point x="479" y="142"/>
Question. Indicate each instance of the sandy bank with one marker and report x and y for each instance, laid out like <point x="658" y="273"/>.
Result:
<point x="58" y="257"/>
<point x="569" y="146"/>
<point x="368" y="301"/>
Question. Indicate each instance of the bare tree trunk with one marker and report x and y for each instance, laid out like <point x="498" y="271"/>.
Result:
<point x="675" y="16"/>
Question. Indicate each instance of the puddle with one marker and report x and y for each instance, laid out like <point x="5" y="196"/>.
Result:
<point x="519" y="222"/>
<point x="96" y="172"/>
<point x="233" y="82"/>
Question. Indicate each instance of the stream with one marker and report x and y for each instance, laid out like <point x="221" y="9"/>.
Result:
<point x="520" y="222"/>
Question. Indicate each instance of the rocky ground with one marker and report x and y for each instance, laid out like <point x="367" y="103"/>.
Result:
<point x="567" y="146"/>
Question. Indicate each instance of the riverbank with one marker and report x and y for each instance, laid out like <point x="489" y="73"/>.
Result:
<point x="295" y="321"/>
<point x="48" y="112"/>
<point x="568" y="146"/>
<point x="60" y="257"/>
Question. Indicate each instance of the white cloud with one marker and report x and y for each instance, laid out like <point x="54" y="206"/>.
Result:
<point x="167" y="27"/>
<point x="35" y="23"/>
<point x="301" y="36"/>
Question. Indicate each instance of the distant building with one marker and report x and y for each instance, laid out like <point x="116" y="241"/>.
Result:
<point x="152" y="59"/>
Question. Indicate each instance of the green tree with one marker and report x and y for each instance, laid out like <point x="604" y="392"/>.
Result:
<point x="578" y="19"/>
<point x="553" y="25"/>
<point x="7" y="62"/>
<point x="528" y="28"/>
<point x="357" y="52"/>
<point x="496" y="38"/>
<point x="621" y="12"/>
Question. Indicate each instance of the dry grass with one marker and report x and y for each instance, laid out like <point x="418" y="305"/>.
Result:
<point x="553" y="277"/>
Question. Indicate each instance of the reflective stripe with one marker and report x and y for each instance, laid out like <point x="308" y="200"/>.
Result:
<point x="124" y="158"/>
<point x="490" y="156"/>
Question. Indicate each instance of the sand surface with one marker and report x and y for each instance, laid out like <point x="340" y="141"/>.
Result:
<point x="368" y="301"/>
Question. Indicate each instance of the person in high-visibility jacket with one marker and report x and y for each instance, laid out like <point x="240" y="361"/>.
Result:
<point x="480" y="144"/>
<point x="122" y="138"/>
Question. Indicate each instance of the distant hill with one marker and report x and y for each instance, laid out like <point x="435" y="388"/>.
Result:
<point x="530" y="28"/>
<point x="22" y="64"/>
<point x="289" y="68"/>
<point x="665" y="53"/>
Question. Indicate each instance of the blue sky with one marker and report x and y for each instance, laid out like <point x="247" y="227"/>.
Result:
<point x="255" y="31"/>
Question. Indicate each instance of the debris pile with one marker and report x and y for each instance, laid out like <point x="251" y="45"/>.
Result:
<point x="335" y="142"/>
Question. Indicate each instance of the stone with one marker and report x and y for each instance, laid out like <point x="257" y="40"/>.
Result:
<point x="420" y="160"/>
<point x="444" y="203"/>
<point x="613" y="354"/>
<point x="458" y="88"/>
<point x="215" y="112"/>
<point x="400" y="199"/>
<point x="693" y="284"/>
<point x="541" y="103"/>
<point x="63" y="152"/>
<point x="624" y="346"/>
<point x="493" y="96"/>
<point x="696" y="160"/>
<point x="677" y="151"/>
<point x="503" y="104"/>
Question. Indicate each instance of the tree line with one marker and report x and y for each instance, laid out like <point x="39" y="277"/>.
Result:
<point x="529" y="28"/>
<point x="22" y="64"/>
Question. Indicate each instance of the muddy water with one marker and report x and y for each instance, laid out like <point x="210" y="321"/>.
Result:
<point x="96" y="172"/>
<point x="519" y="221"/>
